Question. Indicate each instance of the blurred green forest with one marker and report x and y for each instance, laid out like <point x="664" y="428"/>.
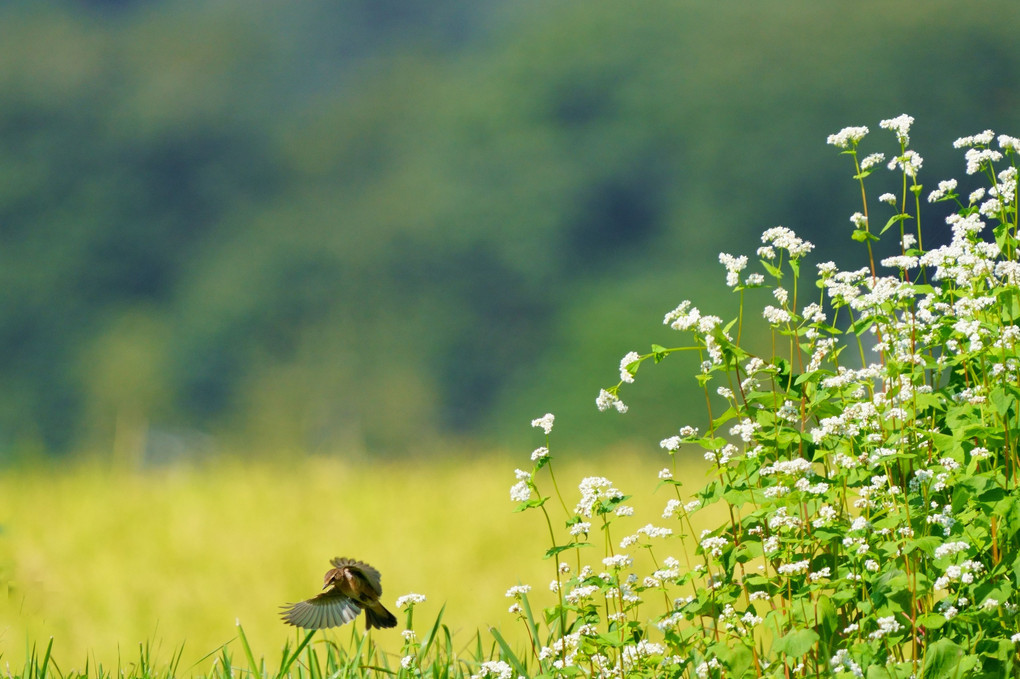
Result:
<point x="381" y="226"/>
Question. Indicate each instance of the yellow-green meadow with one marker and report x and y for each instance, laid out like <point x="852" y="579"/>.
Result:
<point x="103" y="561"/>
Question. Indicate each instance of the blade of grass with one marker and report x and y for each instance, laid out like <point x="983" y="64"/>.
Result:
<point x="431" y="637"/>
<point x="508" y="654"/>
<point x="46" y="659"/>
<point x="247" y="649"/>
<point x="294" y="656"/>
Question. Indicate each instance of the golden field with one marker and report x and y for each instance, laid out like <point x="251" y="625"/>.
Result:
<point x="103" y="561"/>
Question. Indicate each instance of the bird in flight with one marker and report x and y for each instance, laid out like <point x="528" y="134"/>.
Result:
<point x="348" y="588"/>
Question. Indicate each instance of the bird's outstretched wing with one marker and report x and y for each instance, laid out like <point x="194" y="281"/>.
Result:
<point x="371" y="575"/>
<point x="329" y="609"/>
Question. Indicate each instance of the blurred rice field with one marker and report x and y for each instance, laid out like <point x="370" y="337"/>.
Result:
<point x="103" y="561"/>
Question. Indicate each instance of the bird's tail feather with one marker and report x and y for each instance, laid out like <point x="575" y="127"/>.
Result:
<point x="377" y="616"/>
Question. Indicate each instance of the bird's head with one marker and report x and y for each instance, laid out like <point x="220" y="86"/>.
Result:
<point x="333" y="575"/>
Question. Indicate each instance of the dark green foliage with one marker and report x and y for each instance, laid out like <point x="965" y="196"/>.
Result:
<point x="371" y="224"/>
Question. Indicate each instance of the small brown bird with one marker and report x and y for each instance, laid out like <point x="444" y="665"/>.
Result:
<point x="350" y="587"/>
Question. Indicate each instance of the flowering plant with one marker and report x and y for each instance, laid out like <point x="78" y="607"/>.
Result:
<point x="867" y="469"/>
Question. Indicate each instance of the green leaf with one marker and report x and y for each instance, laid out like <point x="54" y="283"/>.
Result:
<point x="796" y="643"/>
<point x="942" y="659"/>
<point x="553" y="551"/>
<point x="931" y="620"/>
<point x="894" y="220"/>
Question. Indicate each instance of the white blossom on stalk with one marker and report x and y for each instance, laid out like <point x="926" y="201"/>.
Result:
<point x="945" y="188"/>
<point x="625" y="374"/>
<point x="410" y="600"/>
<point x="786" y="239"/>
<point x="734" y="265"/>
<point x="847" y="137"/>
<point x="900" y="125"/>
<point x="871" y="160"/>
<point x="521" y="491"/>
<point x="595" y="490"/>
<point x="545" y="422"/>
<point x="982" y="139"/>
<point x="607" y="400"/>
<point x="977" y="157"/>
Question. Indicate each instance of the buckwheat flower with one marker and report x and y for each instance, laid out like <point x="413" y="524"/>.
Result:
<point x="1015" y="638"/>
<point x="976" y="195"/>
<point x="407" y="662"/>
<point x="980" y="453"/>
<point x="594" y="491"/>
<point x="815" y="576"/>
<point x="545" y="422"/>
<point x="887" y="198"/>
<point x="496" y="669"/>
<point x="671" y="509"/>
<point x="847" y="137"/>
<point x="989" y="604"/>
<point x="775" y="315"/>
<point x="734" y="265"/>
<point x="539" y="453"/>
<point x="825" y="516"/>
<point x="745" y="429"/>
<point x="909" y="163"/>
<point x="900" y="125"/>
<point x="982" y="139"/>
<point x="580" y="528"/>
<point x="517" y="591"/>
<point x="410" y="600"/>
<point x="977" y="157"/>
<point x="781" y="294"/>
<point x="858" y="220"/>
<point x="515" y="609"/>
<point x="672" y="444"/>
<point x="607" y="400"/>
<point x="782" y="237"/>
<point x="618" y="561"/>
<point x="945" y="188"/>
<point x="665" y="474"/>
<point x="625" y="510"/>
<point x="781" y="519"/>
<point x="754" y="279"/>
<point x="871" y="160"/>
<point x="794" y="568"/>
<point x="904" y="262"/>
<point x="714" y="545"/>
<point x="521" y="491"/>
<point x="886" y="626"/>
<point x="581" y="593"/>
<point x="843" y="660"/>
<point x="684" y="317"/>
<point x="871" y="565"/>
<point x="950" y="548"/>
<point x="1007" y="143"/>
<point x="409" y="635"/>
<point x="625" y="374"/>
<point x="692" y="505"/>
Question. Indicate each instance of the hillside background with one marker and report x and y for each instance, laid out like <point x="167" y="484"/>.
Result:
<point x="385" y="228"/>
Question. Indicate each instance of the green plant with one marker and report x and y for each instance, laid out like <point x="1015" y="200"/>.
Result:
<point x="867" y="466"/>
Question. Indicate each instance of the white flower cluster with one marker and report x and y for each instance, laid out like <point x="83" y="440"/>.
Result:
<point x="595" y="490"/>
